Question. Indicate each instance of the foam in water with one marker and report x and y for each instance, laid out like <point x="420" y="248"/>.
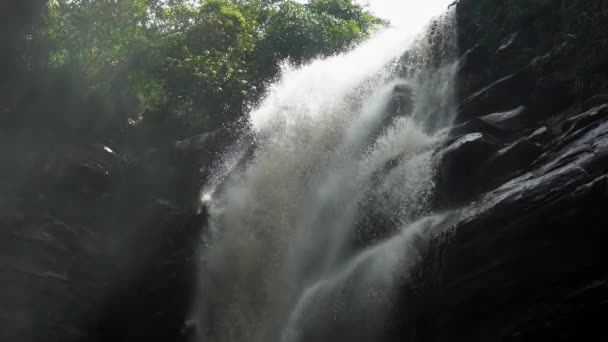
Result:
<point x="292" y="253"/>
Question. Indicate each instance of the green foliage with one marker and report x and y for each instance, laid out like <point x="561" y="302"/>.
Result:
<point x="193" y="64"/>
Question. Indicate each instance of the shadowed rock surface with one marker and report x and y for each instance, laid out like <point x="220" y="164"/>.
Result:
<point x="97" y="246"/>
<point x="522" y="257"/>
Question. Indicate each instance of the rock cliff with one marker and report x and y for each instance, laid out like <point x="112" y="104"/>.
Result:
<point x="524" y="174"/>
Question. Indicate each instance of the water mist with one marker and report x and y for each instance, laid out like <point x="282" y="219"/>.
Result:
<point x="312" y="236"/>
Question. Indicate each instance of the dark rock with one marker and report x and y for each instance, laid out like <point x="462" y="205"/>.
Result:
<point x="157" y="289"/>
<point x="553" y="92"/>
<point x="526" y="261"/>
<point x="509" y="45"/>
<point x="545" y="85"/>
<point x="476" y="125"/>
<point x="512" y="259"/>
<point x="541" y="136"/>
<point x="556" y="59"/>
<point x="487" y="164"/>
<point x="555" y="79"/>
<point x="504" y="125"/>
<point x="97" y="247"/>
<point x="171" y="173"/>
<point x="595" y="101"/>
<point x="514" y="158"/>
<point x="514" y="52"/>
<point x="47" y="292"/>
<point x="472" y="69"/>
<point x="511" y="120"/>
<point x="586" y="118"/>
<point x="474" y="59"/>
<point x="492" y="98"/>
<point x="89" y="169"/>
<point x="459" y="166"/>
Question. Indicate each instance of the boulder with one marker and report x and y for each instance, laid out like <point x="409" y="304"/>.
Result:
<point x="505" y="125"/>
<point x="494" y="98"/>
<point x="512" y="120"/>
<point x="586" y="118"/>
<point x="513" y="159"/>
<point x="459" y="166"/>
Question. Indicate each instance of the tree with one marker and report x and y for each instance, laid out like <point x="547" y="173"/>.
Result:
<point x="192" y="67"/>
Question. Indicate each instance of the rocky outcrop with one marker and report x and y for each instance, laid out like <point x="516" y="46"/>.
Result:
<point x="527" y="259"/>
<point x="524" y="177"/>
<point x="100" y="246"/>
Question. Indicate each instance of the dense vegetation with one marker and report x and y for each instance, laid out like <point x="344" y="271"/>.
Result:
<point x="171" y="68"/>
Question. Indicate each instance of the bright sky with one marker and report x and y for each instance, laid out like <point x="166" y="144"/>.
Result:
<point x="411" y="13"/>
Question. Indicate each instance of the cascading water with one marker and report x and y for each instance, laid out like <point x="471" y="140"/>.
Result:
<point x="312" y="236"/>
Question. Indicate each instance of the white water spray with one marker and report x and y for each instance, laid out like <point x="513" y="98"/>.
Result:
<point x="343" y="160"/>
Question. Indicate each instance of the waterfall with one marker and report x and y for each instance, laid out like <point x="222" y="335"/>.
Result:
<point x="313" y="232"/>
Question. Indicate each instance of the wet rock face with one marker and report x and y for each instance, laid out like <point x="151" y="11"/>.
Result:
<point x="491" y="98"/>
<point x="527" y="259"/>
<point x="97" y="246"/>
<point x="524" y="172"/>
<point x="458" y="175"/>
